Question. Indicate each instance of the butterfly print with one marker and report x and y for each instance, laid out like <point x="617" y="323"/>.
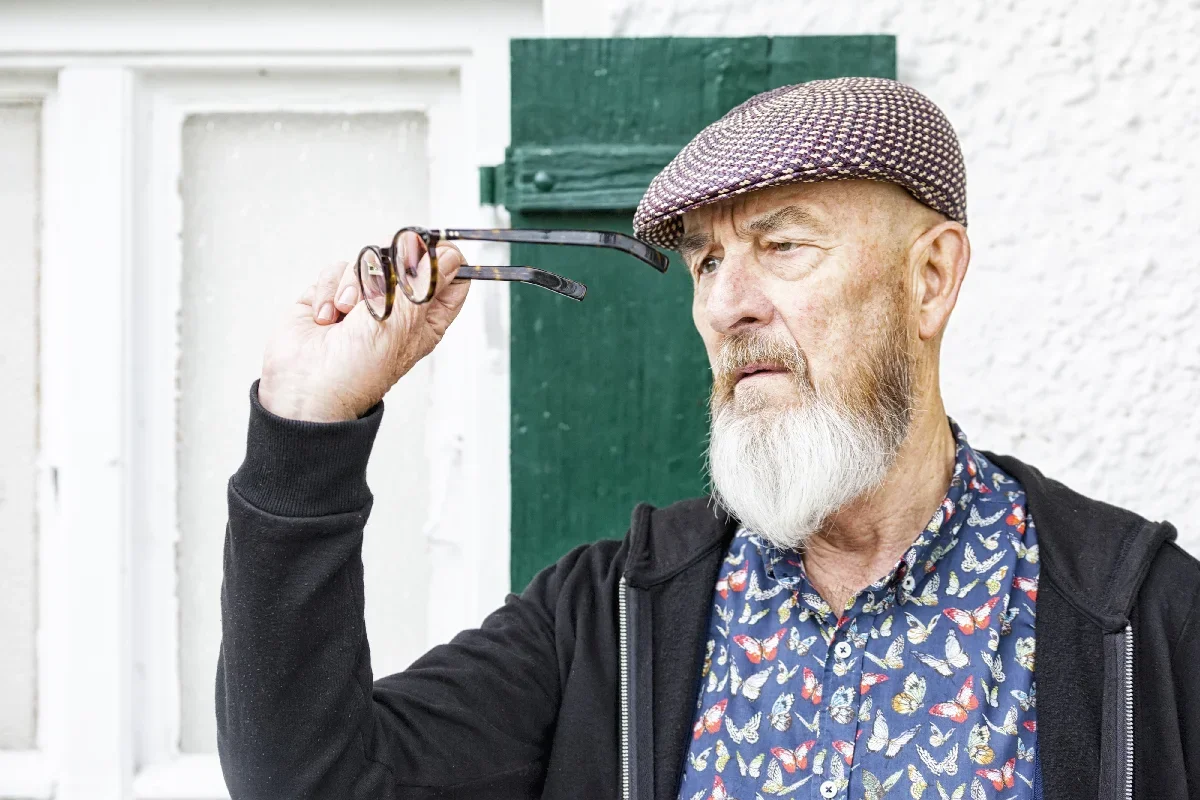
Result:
<point x="751" y="687"/>
<point x="879" y="739"/>
<point x="979" y="748"/>
<point x="1001" y="778"/>
<point x="963" y="702"/>
<point x="912" y="697"/>
<point x="758" y="650"/>
<point x="955" y="657"/>
<point x="710" y="720"/>
<point x="921" y="686"/>
<point x="870" y="679"/>
<point x="970" y="621"/>
<point x="774" y="784"/>
<point x="747" y="733"/>
<point x="812" y="687"/>
<point x="947" y="766"/>
<point x="1026" y="585"/>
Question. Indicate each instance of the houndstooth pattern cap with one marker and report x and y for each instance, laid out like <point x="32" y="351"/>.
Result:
<point x="871" y="128"/>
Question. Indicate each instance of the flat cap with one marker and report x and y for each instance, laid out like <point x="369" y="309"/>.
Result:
<point x="838" y="129"/>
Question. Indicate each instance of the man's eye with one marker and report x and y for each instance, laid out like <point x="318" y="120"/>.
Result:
<point x="784" y="247"/>
<point x="707" y="265"/>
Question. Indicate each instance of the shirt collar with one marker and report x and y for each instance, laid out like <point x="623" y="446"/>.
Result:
<point x="939" y="536"/>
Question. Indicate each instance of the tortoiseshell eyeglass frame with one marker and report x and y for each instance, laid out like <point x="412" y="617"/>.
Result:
<point x="522" y="274"/>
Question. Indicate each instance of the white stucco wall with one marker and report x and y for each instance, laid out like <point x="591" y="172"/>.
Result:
<point x="1076" y="341"/>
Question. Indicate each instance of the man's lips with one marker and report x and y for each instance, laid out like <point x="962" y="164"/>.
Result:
<point x="760" y="368"/>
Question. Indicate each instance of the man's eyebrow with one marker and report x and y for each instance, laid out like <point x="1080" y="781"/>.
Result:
<point x="692" y="242"/>
<point x="786" y="217"/>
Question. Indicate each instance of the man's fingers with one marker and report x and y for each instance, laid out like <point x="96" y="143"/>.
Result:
<point x="324" y="311"/>
<point x="346" y="297"/>
<point x="306" y="297"/>
<point x="449" y="259"/>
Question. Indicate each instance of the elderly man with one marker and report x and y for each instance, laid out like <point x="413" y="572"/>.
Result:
<point x="854" y="613"/>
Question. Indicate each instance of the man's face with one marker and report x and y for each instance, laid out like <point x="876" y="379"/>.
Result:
<point x="804" y="301"/>
<point x="814" y="267"/>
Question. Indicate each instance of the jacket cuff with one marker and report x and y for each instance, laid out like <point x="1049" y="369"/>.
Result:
<point x="296" y="468"/>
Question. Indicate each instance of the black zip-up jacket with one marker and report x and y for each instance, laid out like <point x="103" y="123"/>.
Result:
<point x="585" y="685"/>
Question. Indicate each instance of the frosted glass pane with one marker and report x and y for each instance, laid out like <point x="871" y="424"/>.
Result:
<point x="19" y="202"/>
<point x="269" y="200"/>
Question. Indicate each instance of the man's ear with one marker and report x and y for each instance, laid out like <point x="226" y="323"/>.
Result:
<point x="938" y="260"/>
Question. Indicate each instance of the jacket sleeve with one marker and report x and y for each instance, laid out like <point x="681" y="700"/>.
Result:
<point x="298" y="715"/>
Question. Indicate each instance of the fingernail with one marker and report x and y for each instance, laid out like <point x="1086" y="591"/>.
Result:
<point x="326" y="313"/>
<point x="347" y="298"/>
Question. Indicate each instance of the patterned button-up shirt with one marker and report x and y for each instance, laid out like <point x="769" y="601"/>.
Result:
<point x="924" y="683"/>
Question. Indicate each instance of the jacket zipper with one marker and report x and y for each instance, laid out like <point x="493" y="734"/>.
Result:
<point x="1128" y="680"/>
<point x="623" y="636"/>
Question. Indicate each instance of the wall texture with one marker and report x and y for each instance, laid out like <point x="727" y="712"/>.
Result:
<point x="1076" y="342"/>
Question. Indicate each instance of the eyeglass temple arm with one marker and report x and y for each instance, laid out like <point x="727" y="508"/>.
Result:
<point x="539" y="277"/>
<point x="610" y="239"/>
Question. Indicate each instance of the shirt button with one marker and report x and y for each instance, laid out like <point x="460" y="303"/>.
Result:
<point x="909" y="583"/>
<point x="828" y="789"/>
<point x="842" y="650"/>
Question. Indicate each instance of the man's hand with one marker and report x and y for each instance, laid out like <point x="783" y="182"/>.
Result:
<point x="330" y="360"/>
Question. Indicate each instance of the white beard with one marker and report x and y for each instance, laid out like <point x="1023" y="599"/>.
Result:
<point x="783" y="473"/>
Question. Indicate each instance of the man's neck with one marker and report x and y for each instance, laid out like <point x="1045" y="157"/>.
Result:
<point x="863" y="541"/>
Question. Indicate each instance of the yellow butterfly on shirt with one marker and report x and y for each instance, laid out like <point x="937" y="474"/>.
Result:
<point x="774" y="783"/>
<point x="783" y="674"/>
<point x="918" y="631"/>
<point x="929" y="594"/>
<point x="892" y="658"/>
<point x="1025" y="648"/>
<point x="723" y="756"/>
<point x="936" y="737"/>
<point x="996" y="580"/>
<point x="884" y="631"/>
<point x="957" y="794"/>
<point x="875" y="789"/>
<point x="917" y="782"/>
<point x="979" y="747"/>
<point x="785" y="609"/>
<point x="953" y="589"/>
<point x="880" y="740"/>
<point x="912" y="697"/>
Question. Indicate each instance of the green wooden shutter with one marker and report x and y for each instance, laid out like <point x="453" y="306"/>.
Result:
<point x="608" y="395"/>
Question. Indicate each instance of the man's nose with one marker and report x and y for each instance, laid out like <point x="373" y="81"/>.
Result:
<point x="736" y="302"/>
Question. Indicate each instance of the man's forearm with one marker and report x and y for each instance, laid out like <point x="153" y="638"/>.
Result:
<point x="294" y="675"/>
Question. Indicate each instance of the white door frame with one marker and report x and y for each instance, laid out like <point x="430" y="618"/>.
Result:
<point x="108" y="711"/>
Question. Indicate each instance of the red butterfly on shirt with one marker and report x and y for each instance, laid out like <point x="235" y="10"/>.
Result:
<point x="735" y="581"/>
<point x="1001" y="778"/>
<point x="1026" y="585"/>
<point x="758" y="650"/>
<point x="792" y="760"/>
<point x="963" y="702"/>
<point x="811" y="690"/>
<point x="710" y="720"/>
<point x="970" y="621"/>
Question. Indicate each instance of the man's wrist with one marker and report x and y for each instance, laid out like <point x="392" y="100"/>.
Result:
<point x="301" y="406"/>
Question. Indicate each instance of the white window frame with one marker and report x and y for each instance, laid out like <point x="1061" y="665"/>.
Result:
<point x="108" y="677"/>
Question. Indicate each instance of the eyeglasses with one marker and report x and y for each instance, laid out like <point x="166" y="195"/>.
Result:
<point x="410" y="262"/>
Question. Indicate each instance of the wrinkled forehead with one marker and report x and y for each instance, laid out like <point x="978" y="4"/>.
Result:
<point x="827" y="208"/>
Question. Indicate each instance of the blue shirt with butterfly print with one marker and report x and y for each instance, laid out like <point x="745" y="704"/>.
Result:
<point x="924" y="684"/>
